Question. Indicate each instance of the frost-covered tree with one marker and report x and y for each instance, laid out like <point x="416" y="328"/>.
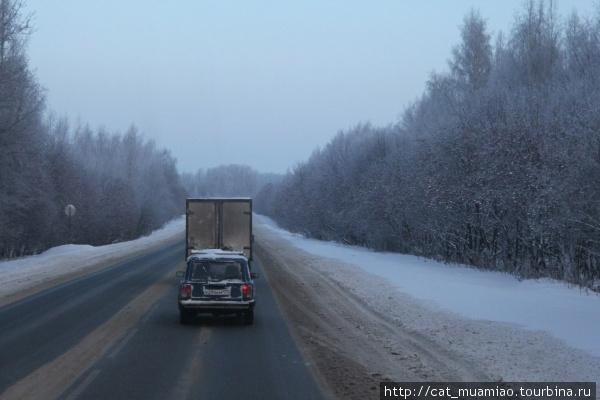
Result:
<point x="535" y="44"/>
<point x="496" y="165"/>
<point x="231" y="180"/>
<point x="24" y="186"/>
<point x="121" y="186"/>
<point x="471" y="62"/>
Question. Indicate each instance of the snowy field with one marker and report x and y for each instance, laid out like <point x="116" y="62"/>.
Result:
<point x="568" y="314"/>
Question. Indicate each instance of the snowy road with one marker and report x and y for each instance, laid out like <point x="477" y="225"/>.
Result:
<point x="361" y="317"/>
<point x="115" y="334"/>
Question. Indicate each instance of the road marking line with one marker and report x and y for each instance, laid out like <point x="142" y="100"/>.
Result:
<point x="83" y="385"/>
<point x="114" y="353"/>
<point x="58" y="375"/>
<point x="149" y="313"/>
<point x="193" y="369"/>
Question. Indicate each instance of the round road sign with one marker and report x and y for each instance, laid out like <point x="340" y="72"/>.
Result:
<point x="70" y="210"/>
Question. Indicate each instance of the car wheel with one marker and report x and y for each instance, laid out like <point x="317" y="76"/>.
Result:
<point x="249" y="317"/>
<point x="184" y="317"/>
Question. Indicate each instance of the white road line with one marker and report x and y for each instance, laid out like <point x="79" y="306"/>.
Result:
<point x="57" y="376"/>
<point x="83" y="385"/>
<point x="114" y="353"/>
<point x="149" y="313"/>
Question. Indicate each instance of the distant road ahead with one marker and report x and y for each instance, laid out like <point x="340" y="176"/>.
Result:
<point x="115" y="334"/>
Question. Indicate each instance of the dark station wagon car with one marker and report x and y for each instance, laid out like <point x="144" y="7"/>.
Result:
<point x="216" y="282"/>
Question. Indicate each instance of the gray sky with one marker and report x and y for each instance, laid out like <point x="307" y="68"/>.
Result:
<point x="260" y="83"/>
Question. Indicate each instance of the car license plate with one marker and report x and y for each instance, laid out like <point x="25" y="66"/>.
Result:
<point x="217" y="292"/>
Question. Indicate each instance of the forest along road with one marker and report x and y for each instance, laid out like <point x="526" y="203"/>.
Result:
<point x="115" y="334"/>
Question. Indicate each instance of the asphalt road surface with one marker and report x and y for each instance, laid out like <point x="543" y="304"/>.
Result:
<point x="115" y="334"/>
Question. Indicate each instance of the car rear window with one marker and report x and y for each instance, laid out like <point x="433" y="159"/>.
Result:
<point x="205" y="271"/>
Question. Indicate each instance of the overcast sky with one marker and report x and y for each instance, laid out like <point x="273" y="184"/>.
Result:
<point x="260" y="83"/>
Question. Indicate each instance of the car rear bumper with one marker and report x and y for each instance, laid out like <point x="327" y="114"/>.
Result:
<point x="203" y="305"/>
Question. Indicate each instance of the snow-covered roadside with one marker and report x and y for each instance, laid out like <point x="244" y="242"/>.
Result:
<point x="24" y="273"/>
<point x="512" y="330"/>
<point x="516" y="331"/>
<point x="567" y="313"/>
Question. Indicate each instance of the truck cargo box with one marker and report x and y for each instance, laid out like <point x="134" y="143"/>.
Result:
<point x="219" y="223"/>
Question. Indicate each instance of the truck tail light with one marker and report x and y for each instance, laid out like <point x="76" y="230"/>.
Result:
<point x="186" y="291"/>
<point x="247" y="292"/>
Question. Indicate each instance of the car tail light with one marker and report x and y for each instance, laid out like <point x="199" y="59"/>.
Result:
<point x="186" y="291"/>
<point x="247" y="292"/>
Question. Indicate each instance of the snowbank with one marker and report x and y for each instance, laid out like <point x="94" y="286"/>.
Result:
<point x="567" y="313"/>
<point x="24" y="273"/>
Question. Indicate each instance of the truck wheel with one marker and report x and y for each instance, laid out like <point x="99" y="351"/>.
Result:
<point x="184" y="317"/>
<point x="249" y="317"/>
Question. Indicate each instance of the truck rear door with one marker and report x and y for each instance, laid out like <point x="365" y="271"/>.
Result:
<point x="218" y="224"/>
